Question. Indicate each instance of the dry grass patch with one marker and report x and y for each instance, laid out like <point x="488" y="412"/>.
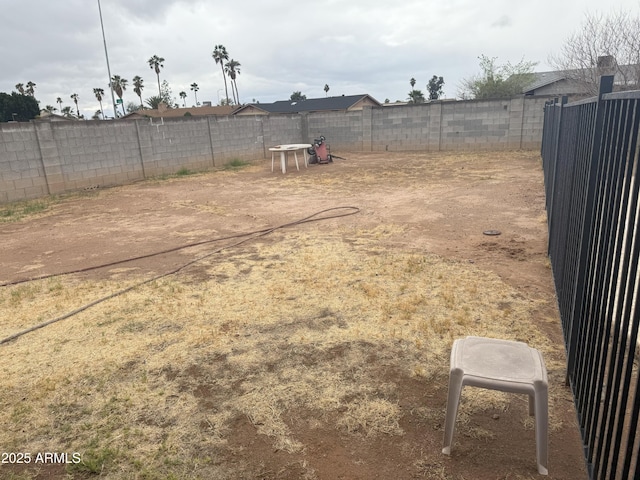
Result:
<point x="149" y="383"/>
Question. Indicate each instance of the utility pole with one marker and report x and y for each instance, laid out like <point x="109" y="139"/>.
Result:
<point x="113" y="99"/>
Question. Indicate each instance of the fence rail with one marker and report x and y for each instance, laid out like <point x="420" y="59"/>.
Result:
<point x="590" y="153"/>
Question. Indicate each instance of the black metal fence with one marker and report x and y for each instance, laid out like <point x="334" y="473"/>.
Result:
<point x="590" y="153"/>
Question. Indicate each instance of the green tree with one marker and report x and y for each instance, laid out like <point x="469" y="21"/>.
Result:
<point x="30" y="90"/>
<point x="74" y="97"/>
<point x="50" y="109"/>
<point x="66" y="112"/>
<point x="195" y="88"/>
<point x="232" y="69"/>
<point x="603" y="45"/>
<point x="220" y="55"/>
<point x="16" y="106"/>
<point x="99" y="93"/>
<point x="133" y="107"/>
<point x="156" y="63"/>
<point x="20" y="88"/>
<point x="166" y="95"/>
<point x="183" y="96"/>
<point x="119" y="85"/>
<point x="434" y="87"/>
<point x="59" y="102"/>
<point x="412" y="82"/>
<point x="138" y="86"/>
<point x="416" y="96"/>
<point x="297" y="97"/>
<point x="154" y="102"/>
<point x="497" y="81"/>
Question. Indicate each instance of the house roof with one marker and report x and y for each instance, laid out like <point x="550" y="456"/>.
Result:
<point x="180" y="112"/>
<point x="622" y="73"/>
<point x="52" y="117"/>
<point x="542" y="79"/>
<point x="343" y="102"/>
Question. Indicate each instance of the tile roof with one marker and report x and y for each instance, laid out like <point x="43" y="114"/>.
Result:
<point x="343" y="102"/>
<point x="180" y="112"/>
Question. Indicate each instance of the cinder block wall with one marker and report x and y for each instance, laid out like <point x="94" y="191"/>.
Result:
<point x="21" y="169"/>
<point x="167" y="146"/>
<point x="278" y="130"/>
<point x="343" y="130"/>
<point x="469" y="125"/>
<point x="41" y="158"/>
<point x="78" y="155"/>
<point x="532" y="122"/>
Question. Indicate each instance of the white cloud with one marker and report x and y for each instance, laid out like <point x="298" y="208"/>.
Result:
<point x="354" y="46"/>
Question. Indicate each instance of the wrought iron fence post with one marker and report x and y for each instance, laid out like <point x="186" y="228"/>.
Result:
<point x="556" y="153"/>
<point x="606" y="86"/>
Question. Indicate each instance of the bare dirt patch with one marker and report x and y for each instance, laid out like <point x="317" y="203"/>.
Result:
<point x="318" y="351"/>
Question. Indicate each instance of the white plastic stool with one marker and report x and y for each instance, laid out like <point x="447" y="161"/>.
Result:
<point x="502" y="365"/>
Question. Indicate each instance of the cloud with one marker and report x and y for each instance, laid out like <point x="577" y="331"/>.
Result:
<point x="355" y="46"/>
<point x="503" y="21"/>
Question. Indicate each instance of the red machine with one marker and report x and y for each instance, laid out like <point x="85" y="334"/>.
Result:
<point x="319" y="153"/>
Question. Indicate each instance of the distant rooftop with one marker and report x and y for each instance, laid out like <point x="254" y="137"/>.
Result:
<point x="343" y="102"/>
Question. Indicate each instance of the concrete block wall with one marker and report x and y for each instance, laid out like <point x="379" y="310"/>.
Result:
<point x="88" y="154"/>
<point x="399" y="128"/>
<point x="40" y="158"/>
<point x="469" y="125"/>
<point x="166" y="146"/>
<point x="280" y="130"/>
<point x="533" y="122"/>
<point x="21" y="170"/>
<point x="475" y="125"/>
<point x="235" y="138"/>
<point x="343" y="130"/>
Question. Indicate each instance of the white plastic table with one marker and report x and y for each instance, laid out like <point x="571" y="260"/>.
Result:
<point x="284" y="151"/>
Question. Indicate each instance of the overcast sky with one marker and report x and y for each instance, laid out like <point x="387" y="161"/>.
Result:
<point x="354" y="46"/>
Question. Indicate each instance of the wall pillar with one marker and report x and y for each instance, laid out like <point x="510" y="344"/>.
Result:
<point x="140" y="150"/>
<point x="367" y="128"/>
<point x="516" y="122"/>
<point x="304" y="127"/>
<point x="51" y="160"/>
<point x="434" y="127"/>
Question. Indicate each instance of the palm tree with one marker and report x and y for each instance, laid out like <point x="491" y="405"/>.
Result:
<point x="74" y="97"/>
<point x="233" y="70"/>
<point x="50" y="108"/>
<point x="326" y="89"/>
<point x="416" y="96"/>
<point x="66" y="111"/>
<point x="156" y="63"/>
<point x="183" y="96"/>
<point x="194" y="87"/>
<point x="20" y="88"/>
<point x="99" y="93"/>
<point x="154" y="102"/>
<point x="119" y="85"/>
<point x="30" y="89"/>
<point x="227" y="70"/>
<point x="412" y="82"/>
<point x="59" y="102"/>
<point x="138" y="87"/>
<point x="220" y="55"/>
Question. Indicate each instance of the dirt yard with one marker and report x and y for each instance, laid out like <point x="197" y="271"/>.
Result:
<point x="319" y="350"/>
